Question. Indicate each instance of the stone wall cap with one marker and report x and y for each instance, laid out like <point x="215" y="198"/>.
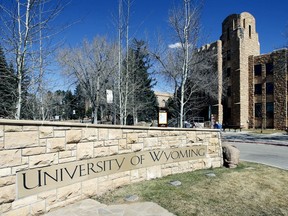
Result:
<point x="86" y="125"/>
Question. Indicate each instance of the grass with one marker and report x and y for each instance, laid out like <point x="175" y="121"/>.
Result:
<point x="250" y="189"/>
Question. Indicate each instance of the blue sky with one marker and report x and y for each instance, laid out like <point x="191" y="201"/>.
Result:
<point x="151" y="16"/>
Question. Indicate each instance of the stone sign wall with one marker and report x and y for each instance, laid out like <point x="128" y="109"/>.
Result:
<point x="47" y="165"/>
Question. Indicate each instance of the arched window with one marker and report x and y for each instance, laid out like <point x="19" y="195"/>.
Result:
<point x="244" y="24"/>
<point x="249" y="31"/>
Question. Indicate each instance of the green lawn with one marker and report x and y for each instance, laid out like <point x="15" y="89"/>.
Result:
<point x="250" y="189"/>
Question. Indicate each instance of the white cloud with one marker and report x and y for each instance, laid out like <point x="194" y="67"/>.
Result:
<point x="175" y="45"/>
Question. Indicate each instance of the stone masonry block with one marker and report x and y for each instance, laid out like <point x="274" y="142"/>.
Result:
<point x="46" y="132"/>
<point x="55" y="144"/>
<point x="20" y="211"/>
<point x="38" y="208"/>
<point x="1" y="131"/>
<point x="70" y="147"/>
<point x="65" y="154"/>
<point x="113" y="150"/>
<point x="8" y="180"/>
<point x="33" y="151"/>
<point x="154" y="133"/>
<point x="165" y="133"/>
<point x="136" y="147"/>
<point x="138" y="175"/>
<point x="85" y="150"/>
<point x="5" y="207"/>
<point x="177" y="133"/>
<point x="143" y="134"/>
<point x="150" y="142"/>
<point x="24" y="201"/>
<point x="49" y="196"/>
<point x="66" y="160"/>
<point x="104" y="184"/>
<point x="89" y="135"/>
<point x="30" y="128"/>
<point x="73" y="136"/>
<point x="101" y="151"/>
<point x="122" y="144"/>
<point x="132" y="138"/>
<point x="214" y="141"/>
<point x="153" y="172"/>
<point x="19" y="168"/>
<point x="115" y="134"/>
<point x="63" y="203"/>
<point x="12" y="128"/>
<point x="21" y="140"/>
<point x="98" y="143"/>
<point x="5" y="172"/>
<point x="8" y="194"/>
<point x="43" y="160"/>
<point x="89" y="187"/>
<point x="121" y="181"/>
<point x="111" y="143"/>
<point x="69" y="191"/>
<point x="61" y="133"/>
<point x="9" y="158"/>
<point x="166" y="171"/>
<point x="43" y="142"/>
<point x="1" y="143"/>
<point x="103" y="134"/>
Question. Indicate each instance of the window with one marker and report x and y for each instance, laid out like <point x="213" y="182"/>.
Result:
<point x="229" y="113"/>
<point x="269" y="88"/>
<point x="250" y="31"/>
<point x="228" y="72"/>
<point x="258" y="110"/>
<point x="228" y="34"/>
<point x="228" y="55"/>
<point x="269" y="68"/>
<point x="244" y="23"/>
<point x="270" y="110"/>
<point x="258" y="70"/>
<point x="258" y="89"/>
<point x="229" y="91"/>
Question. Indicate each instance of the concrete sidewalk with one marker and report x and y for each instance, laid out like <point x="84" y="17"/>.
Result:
<point x="91" y="207"/>
<point x="276" y="139"/>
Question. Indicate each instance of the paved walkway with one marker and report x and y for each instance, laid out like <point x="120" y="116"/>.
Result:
<point x="271" y="155"/>
<point x="91" y="207"/>
<point x="278" y="139"/>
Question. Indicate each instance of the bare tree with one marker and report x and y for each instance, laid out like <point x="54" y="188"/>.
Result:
<point x="90" y="66"/>
<point x="123" y="23"/>
<point x="23" y="23"/>
<point x="187" y="68"/>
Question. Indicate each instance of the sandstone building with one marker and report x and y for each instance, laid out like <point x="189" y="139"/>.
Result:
<point x="255" y="85"/>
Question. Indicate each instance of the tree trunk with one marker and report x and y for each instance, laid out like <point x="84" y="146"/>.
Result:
<point x="19" y="99"/>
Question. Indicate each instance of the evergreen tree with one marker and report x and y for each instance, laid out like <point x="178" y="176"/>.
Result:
<point x="79" y="103"/>
<point x="7" y="88"/>
<point x="144" y="106"/>
<point x="28" y="100"/>
<point x="69" y="105"/>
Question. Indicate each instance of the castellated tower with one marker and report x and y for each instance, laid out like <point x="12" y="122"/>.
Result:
<point x="239" y="41"/>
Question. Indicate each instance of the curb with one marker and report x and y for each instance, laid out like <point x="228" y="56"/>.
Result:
<point x="260" y="143"/>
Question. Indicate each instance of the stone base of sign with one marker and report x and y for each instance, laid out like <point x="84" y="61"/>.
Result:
<point x="73" y="162"/>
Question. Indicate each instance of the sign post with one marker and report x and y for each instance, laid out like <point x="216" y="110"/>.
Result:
<point x="163" y="118"/>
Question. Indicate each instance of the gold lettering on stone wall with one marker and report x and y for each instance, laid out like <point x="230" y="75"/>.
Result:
<point x="42" y="179"/>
